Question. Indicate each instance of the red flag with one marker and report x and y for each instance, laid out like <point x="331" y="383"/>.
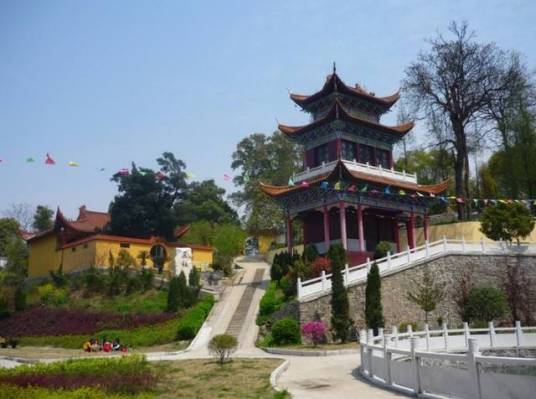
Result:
<point x="304" y="183"/>
<point x="49" y="160"/>
<point x="352" y="188"/>
<point x="123" y="172"/>
<point x="159" y="176"/>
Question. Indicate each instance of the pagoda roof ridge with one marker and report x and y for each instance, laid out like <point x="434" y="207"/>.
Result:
<point x="340" y="168"/>
<point x="337" y="111"/>
<point x="335" y="84"/>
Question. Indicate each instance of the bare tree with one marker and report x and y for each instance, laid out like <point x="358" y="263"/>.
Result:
<point x="458" y="79"/>
<point x="22" y="212"/>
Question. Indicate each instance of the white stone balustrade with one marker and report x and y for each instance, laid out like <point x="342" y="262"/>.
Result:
<point x="409" y="258"/>
<point x="449" y="363"/>
<point x="356" y="167"/>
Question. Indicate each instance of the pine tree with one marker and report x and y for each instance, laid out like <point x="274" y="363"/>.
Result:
<point x="373" y="300"/>
<point x="194" y="279"/>
<point x="427" y="294"/>
<point x="340" y="317"/>
<point x="173" y="295"/>
<point x="185" y="294"/>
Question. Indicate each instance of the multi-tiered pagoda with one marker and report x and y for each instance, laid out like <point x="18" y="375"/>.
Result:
<point x="349" y="192"/>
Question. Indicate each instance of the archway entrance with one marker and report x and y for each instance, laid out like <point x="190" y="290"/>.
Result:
<point x="159" y="257"/>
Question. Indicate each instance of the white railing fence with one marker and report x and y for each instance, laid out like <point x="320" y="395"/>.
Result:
<point x="408" y="258"/>
<point x="449" y="362"/>
<point x="357" y="167"/>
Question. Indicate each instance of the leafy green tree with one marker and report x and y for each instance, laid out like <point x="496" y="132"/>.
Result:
<point x="42" y="219"/>
<point x="340" y="313"/>
<point x="9" y="229"/>
<point x="222" y="346"/>
<point x="16" y="253"/>
<point x="485" y="304"/>
<point x="427" y="294"/>
<point x="228" y="242"/>
<point x="373" y="300"/>
<point x="430" y="166"/>
<point x="507" y="222"/>
<point x="204" y="201"/>
<point x="144" y="205"/>
<point x="185" y="294"/>
<point x="270" y="159"/>
<point x="173" y="303"/>
<point x="200" y="232"/>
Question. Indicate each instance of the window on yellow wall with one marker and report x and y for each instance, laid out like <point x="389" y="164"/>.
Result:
<point x="85" y="245"/>
<point x="73" y="249"/>
<point x="124" y="245"/>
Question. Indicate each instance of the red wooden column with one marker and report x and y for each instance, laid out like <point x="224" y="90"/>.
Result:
<point x="360" y="228"/>
<point x="425" y="227"/>
<point x="342" y="218"/>
<point x="327" y="239"/>
<point x="289" y="235"/>
<point x="396" y="234"/>
<point x="411" y="230"/>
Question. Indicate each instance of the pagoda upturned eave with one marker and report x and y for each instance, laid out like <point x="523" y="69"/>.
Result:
<point x="337" y="112"/>
<point x="335" y="84"/>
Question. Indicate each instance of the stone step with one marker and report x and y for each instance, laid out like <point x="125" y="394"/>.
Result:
<point x="240" y="314"/>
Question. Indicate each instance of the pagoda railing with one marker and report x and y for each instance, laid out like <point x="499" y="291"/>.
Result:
<point x="356" y="167"/>
<point x="411" y="257"/>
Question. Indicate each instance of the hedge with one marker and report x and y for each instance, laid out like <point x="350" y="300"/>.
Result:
<point x="192" y="321"/>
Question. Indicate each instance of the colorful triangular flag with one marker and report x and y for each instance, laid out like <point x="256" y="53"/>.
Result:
<point x="290" y="181"/>
<point x="73" y="163"/>
<point x="419" y="194"/>
<point x="304" y="183"/>
<point x="159" y="176"/>
<point x="30" y="160"/>
<point x="226" y="177"/>
<point x="49" y="160"/>
<point x="401" y="192"/>
<point x="324" y="185"/>
<point x="351" y="189"/>
<point x="364" y="189"/>
<point x="123" y="172"/>
<point x="387" y="190"/>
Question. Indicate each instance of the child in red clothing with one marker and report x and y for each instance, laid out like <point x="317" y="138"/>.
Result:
<point x="107" y="346"/>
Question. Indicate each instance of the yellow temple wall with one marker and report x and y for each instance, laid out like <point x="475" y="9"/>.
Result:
<point x="43" y="256"/>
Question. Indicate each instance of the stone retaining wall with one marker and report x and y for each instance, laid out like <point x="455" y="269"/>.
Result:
<point x="484" y="270"/>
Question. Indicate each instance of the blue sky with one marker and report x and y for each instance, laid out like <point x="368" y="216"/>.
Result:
<point x="104" y="83"/>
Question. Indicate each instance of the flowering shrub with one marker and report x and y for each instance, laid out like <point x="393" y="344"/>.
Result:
<point x="42" y="320"/>
<point x="126" y="375"/>
<point x="319" y="264"/>
<point x="314" y="331"/>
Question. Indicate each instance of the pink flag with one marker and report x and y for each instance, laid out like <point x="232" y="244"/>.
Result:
<point x="49" y="160"/>
<point x="159" y="176"/>
<point x="304" y="183"/>
<point x="226" y="177"/>
<point x="123" y="172"/>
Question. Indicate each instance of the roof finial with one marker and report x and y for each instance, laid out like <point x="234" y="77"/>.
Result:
<point x="334" y="68"/>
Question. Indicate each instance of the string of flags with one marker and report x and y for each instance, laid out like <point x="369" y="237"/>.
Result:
<point x="388" y="190"/>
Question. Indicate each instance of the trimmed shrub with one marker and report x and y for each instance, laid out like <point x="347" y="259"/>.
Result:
<point x="4" y="311"/>
<point x="94" y="280"/>
<point x="222" y="346"/>
<point x="286" y="331"/>
<point x="340" y="314"/>
<point x="403" y="327"/>
<point x="373" y="300"/>
<point x="381" y="249"/>
<point x="124" y="259"/>
<point x="146" y="278"/>
<point x="269" y="303"/>
<point x="194" y="278"/>
<point x="173" y="295"/>
<point x="288" y="286"/>
<point x="485" y="304"/>
<point x="20" y="299"/>
<point x="192" y="321"/>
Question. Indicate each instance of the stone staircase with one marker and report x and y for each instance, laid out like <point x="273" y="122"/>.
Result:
<point x="240" y="314"/>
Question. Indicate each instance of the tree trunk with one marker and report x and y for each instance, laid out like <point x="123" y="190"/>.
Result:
<point x="460" y="166"/>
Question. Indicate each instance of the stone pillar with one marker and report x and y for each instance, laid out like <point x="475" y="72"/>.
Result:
<point x="327" y="239"/>
<point x="289" y="235"/>
<point x="425" y="227"/>
<point x="396" y="234"/>
<point x="342" y="218"/>
<point x="411" y="231"/>
<point x="362" y="247"/>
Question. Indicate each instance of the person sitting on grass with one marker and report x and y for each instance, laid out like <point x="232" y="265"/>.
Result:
<point x="116" y="345"/>
<point x="87" y="346"/>
<point x="107" y="346"/>
<point x="95" y="347"/>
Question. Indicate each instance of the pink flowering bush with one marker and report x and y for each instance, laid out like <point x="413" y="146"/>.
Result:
<point x="314" y="331"/>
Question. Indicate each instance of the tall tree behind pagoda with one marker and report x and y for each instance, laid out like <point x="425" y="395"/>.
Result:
<point x="42" y="219"/>
<point x="272" y="159"/>
<point x="456" y="81"/>
<point x="511" y="170"/>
